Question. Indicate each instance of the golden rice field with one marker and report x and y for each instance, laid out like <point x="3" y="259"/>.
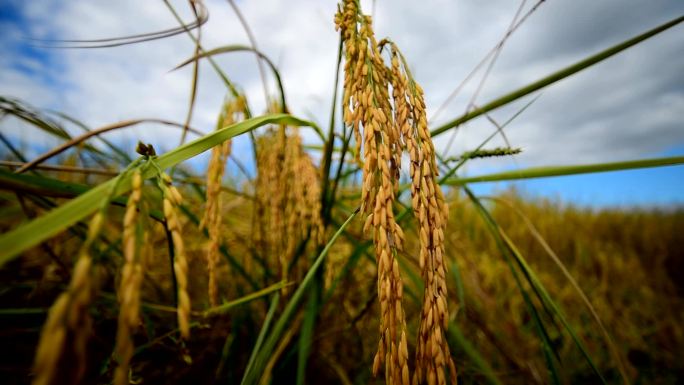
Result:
<point x="364" y="260"/>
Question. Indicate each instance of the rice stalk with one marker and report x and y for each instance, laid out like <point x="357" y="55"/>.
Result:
<point x="552" y="171"/>
<point x="135" y="245"/>
<point x="556" y="76"/>
<point x="82" y="138"/>
<point x="366" y="104"/>
<point x="198" y="7"/>
<point x="172" y="199"/>
<point x="212" y="212"/>
<point x="288" y="198"/>
<point x="68" y="322"/>
<point x="432" y="352"/>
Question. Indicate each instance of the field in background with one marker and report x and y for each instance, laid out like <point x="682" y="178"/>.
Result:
<point x="629" y="264"/>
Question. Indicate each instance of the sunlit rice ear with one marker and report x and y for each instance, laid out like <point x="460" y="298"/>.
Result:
<point x="432" y="351"/>
<point x="131" y="280"/>
<point x="68" y="318"/>
<point x="367" y="109"/>
<point x="171" y="200"/>
<point x="289" y="192"/>
<point x="232" y="112"/>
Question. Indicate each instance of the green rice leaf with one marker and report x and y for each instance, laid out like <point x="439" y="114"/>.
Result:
<point x="556" y="76"/>
<point x="50" y="224"/>
<point x="242" y="48"/>
<point x="252" y="373"/>
<point x="551" y="171"/>
<point x="547" y="302"/>
<point x="459" y="341"/>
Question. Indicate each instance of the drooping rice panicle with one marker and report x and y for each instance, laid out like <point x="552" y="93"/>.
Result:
<point x="69" y="323"/>
<point x="171" y="200"/>
<point x="367" y="108"/>
<point x="432" y="352"/>
<point x="131" y="280"/>
<point x="232" y="112"/>
<point x="289" y="191"/>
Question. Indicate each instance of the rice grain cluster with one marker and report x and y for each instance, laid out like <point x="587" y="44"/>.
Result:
<point x="134" y="246"/>
<point x="231" y="113"/>
<point x="64" y="337"/>
<point x="288" y="198"/>
<point x="172" y="199"/>
<point x="386" y="128"/>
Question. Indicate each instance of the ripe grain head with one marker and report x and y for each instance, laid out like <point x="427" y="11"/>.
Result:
<point x="131" y="280"/>
<point x="432" y="351"/>
<point x="288" y="187"/>
<point x="232" y="112"/>
<point x="171" y="200"/>
<point x="385" y="129"/>
<point x="367" y="108"/>
<point x="68" y="318"/>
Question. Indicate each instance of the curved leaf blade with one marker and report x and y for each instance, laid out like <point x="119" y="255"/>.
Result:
<point x="556" y="76"/>
<point x="551" y="171"/>
<point x="50" y="224"/>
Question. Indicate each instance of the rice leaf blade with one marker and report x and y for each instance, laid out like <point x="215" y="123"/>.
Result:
<point x="48" y="225"/>
<point x="552" y="171"/>
<point x="251" y="376"/>
<point x="556" y="76"/>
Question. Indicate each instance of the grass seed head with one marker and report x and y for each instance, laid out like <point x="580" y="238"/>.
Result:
<point x="367" y="108"/>
<point x="68" y="319"/>
<point x="131" y="280"/>
<point x="232" y="112"/>
<point x="171" y="200"/>
<point x="288" y="197"/>
<point x="432" y="351"/>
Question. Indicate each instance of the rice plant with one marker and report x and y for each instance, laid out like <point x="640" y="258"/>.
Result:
<point x="124" y="265"/>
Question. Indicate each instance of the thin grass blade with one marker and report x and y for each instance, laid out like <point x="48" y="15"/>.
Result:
<point x="551" y="171"/>
<point x="556" y="76"/>
<point x="48" y="225"/>
<point x="252" y="375"/>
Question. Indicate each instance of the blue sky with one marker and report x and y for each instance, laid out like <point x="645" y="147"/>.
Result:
<point x="628" y="107"/>
<point x="661" y="187"/>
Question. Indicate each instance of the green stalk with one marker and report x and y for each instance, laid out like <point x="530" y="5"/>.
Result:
<point x="554" y="77"/>
<point x="306" y="336"/>
<point x="218" y="70"/>
<point x="330" y="141"/>
<point x="262" y="333"/>
<point x="546" y="344"/>
<point x="242" y="48"/>
<point x="456" y="339"/>
<point x="252" y="374"/>
<point x="551" y="171"/>
<point x="30" y="234"/>
<point x="509" y="250"/>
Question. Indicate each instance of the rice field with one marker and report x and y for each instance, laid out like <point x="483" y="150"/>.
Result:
<point x="366" y="258"/>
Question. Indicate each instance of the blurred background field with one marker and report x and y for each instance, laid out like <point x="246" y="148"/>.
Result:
<point x="628" y="262"/>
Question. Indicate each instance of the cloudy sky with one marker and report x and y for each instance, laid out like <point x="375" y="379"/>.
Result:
<point x="627" y="107"/>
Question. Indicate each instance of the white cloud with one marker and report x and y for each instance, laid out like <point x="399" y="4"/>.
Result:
<point x="631" y="100"/>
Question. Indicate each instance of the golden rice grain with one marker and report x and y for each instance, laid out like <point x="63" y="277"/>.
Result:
<point x="385" y="129"/>
<point x="212" y="212"/>
<point x="68" y="318"/>
<point x="172" y="199"/>
<point x="366" y="105"/>
<point x="432" y="352"/>
<point x="129" y="287"/>
<point x="288" y="197"/>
